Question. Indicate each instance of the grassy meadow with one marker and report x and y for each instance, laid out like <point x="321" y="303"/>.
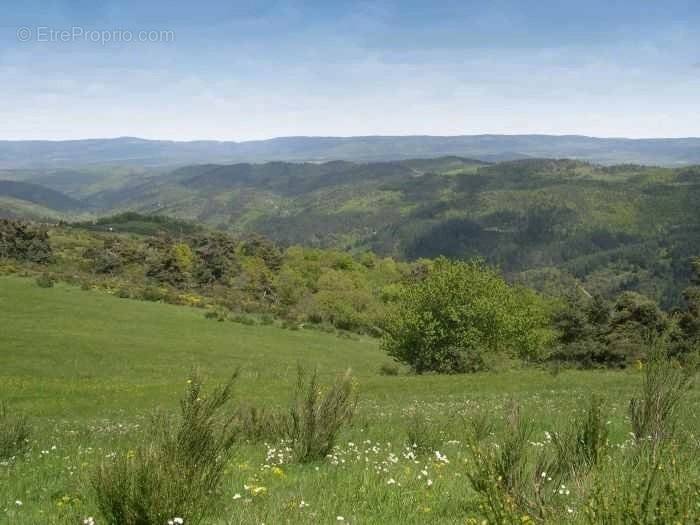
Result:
<point x="88" y="369"/>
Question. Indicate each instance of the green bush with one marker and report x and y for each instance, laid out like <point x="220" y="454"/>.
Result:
<point x="14" y="433"/>
<point x="243" y="319"/>
<point x="317" y="415"/>
<point x="459" y="317"/>
<point x="45" y="281"/>
<point x="217" y="314"/>
<point x="24" y="242"/>
<point x="152" y="293"/>
<point x="389" y="369"/>
<point x="177" y="471"/>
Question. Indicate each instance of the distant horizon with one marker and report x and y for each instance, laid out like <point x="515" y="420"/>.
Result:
<point x="397" y="135"/>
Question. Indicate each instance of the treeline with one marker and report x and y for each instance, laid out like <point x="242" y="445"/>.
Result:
<point x="231" y="275"/>
<point x="434" y="315"/>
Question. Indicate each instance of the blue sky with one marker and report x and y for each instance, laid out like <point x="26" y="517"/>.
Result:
<point x="233" y="70"/>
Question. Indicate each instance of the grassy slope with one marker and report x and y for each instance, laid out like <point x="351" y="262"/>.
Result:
<point x="74" y="353"/>
<point x="88" y="367"/>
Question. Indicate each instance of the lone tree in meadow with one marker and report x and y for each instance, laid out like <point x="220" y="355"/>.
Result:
<point x="459" y="316"/>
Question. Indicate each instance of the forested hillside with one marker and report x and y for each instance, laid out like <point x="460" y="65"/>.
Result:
<point x="551" y="224"/>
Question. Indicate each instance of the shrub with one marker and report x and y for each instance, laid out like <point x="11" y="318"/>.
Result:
<point x="499" y="474"/>
<point x="243" y="319"/>
<point x="24" y="242"/>
<point x="266" y="320"/>
<point x="177" y="472"/>
<point x="595" y="334"/>
<point x="45" y="281"/>
<point x="217" y="314"/>
<point x="423" y="435"/>
<point x="579" y="448"/>
<point x="653" y="414"/>
<point x="481" y="425"/>
<point x="459" y="317"/>
<point x="652" y="491"/>
<point x="389" y="369"/>
<point x="14" y="433"/>
<point x="290" y="325"/>
<point x="151" y="293"/>
<point x="317" y="416"/>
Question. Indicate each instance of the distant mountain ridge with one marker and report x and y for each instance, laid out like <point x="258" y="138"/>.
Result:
<point x="143" y="152"/>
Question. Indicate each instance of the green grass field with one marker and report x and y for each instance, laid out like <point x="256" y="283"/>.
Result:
<point x="88" y="368"/>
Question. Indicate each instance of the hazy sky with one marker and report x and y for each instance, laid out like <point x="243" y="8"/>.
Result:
<point x="235" y="70"/>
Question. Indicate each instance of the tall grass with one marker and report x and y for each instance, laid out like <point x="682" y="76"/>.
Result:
<point x="14" y="433"/>
<point x="176" y="472"/>
<point x="654" y="413"/>
<point x="646" y="481"/>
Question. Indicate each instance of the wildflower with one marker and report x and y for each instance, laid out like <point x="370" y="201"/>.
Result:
<point x="236" y="496"/>
<point x="18" y="503"/>
<point x="391" y="481"/>
<point x="339" y="518"/>
<point x="303" y="504"/>
<point x="440" y="457"/>
<point x="430" y="482"/>
<point x="89" y="521"/>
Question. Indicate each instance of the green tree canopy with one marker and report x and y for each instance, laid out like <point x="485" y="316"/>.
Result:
<point x="459" y="315"/>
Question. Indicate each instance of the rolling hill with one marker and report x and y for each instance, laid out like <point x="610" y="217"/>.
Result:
<point x="140" y="152"/>
<point x="546" y="222"/>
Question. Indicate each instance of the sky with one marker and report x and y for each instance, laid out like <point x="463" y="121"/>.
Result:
<point x="233" y="70"/>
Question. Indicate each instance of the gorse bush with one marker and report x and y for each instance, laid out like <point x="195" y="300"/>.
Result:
<point x="654" y="413"/>
<point x="579" y="448"/>
<point x="650" y="480"/>
<point x="499" y="473"/>
<point x="177" y="471"/>
<point x="14" y="433"/>
<point x="317" y="415"/>
<point x="423" y="434"/>
<point x="480" y="425"/>
<point x="652" y="491"/>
